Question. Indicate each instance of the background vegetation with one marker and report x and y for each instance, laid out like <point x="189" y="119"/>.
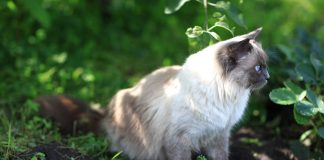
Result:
<point x="91" y="49"/>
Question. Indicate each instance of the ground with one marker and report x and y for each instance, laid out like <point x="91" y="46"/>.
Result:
<point x="247" y="144"/>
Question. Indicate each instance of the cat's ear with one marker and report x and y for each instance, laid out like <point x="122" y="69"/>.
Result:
<point x="243" y="47"/>
<point x="254" y="34"/>
<point x="230" y="55"/>
<point x="239" y="49"/>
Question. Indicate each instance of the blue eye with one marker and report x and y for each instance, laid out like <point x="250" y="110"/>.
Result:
<point x="258" y="68"/>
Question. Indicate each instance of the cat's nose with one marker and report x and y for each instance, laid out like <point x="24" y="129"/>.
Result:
<point x="266" y="75"/>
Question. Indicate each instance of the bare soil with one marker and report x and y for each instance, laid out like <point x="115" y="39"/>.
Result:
<point x="53" y="151"/>
<point x="247" y="144"/>
<point x="260" y="147"/>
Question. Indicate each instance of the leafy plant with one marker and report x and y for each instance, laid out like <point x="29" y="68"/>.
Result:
<point x="304" y="90"/>
<point x="199" y="37"/>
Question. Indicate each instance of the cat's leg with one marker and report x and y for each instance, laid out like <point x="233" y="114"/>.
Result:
<point x="177" y="148"/>
<point x="217" y="148"/>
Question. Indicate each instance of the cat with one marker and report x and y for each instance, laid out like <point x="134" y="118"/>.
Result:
<point x="180" y="110"/>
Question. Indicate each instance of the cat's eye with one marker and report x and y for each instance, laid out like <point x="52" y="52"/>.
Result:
<point x="258" y="68"/>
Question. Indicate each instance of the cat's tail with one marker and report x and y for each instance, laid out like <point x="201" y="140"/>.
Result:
<point x="71" y="115"/>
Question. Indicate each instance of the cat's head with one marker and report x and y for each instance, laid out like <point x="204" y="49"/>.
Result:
<point x="244" y="61"/>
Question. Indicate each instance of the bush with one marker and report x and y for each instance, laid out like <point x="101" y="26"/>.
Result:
<point x="303" y="90"/>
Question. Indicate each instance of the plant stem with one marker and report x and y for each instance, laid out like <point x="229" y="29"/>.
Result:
<point x="314" y="126"/>
<point x="206" y="14"/>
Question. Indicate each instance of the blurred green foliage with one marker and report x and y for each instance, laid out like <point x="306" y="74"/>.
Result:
<point x="91" y="49"/>
<point x="306" y="92"/>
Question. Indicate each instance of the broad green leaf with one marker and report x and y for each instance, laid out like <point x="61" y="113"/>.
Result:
<point x="283" y="96"/>
<point x="293" y="87"/>
<point x="316" y="101"/>
<point x="214" y="35"/>
<point x="318" y="63"/>
<point x="312" y="97"/>
<point x="307" y="72"/>
<point x="306" y="108"/>
<point x="222" y="25"/>
<point x="300" y="93"/>
<point x="174" y="5"/>
<point x="230" y="10"/>
<point x="37" y="11"/>
<point x="320" y="104"/>
<point x="300" y="119"/>
<point x="321" y="132"/>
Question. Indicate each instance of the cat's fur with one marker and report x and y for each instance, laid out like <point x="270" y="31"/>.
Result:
<point x="177" y="110"/>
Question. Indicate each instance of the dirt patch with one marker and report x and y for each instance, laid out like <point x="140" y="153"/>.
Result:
<point x="247" y="144"/>
<point x="52" y="151"/>
<point x="250" y="145"/>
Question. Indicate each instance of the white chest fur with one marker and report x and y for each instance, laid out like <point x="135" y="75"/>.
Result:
<point x="204" y="102"/>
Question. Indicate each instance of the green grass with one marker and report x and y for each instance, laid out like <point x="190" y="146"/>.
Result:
<point x="25" y="129"/>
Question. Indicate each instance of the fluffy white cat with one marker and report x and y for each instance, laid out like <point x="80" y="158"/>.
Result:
<point x="178" y="110"/>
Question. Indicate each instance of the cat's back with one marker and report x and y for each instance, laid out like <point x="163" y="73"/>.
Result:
<point x="151" y="86"/>
<point x="132" y="113"/>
